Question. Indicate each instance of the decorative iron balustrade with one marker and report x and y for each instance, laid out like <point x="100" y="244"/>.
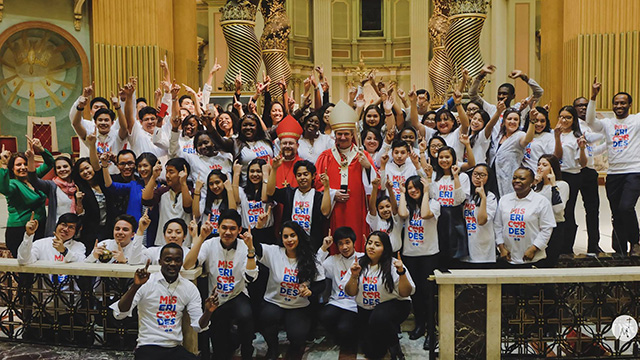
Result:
<point x="38" y="305"/>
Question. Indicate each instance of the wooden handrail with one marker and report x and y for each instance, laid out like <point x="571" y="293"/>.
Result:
<point x="539" y="276"/>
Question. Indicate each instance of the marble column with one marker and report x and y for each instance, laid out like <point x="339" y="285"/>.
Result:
<point x="419" y="43"/>
<point x="552" y="47"/>
<point x="322" y="36"/>
<point x="185" y="45"/>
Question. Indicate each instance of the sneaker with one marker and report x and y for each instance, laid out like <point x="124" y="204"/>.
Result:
<point x="635" y="250"/>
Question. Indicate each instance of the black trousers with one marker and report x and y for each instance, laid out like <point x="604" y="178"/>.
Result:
<point x="558" y="244"/>
<point x="237" y="310"/>
<point x="623" y="191"/>
<point x="379" y="326"/>
<point x="591" y="200"/>
<point x="420" y="268"/>
<point x="297" y="323"/>
<point x="14" y="235"/>
<point x="153" y="352"/>
<point x="341" y="324"/>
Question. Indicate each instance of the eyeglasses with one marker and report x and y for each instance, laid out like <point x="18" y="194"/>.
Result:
<point x="67" y="226"/>
<point x="479" y="175"/>
<point x="127" y="164"/>
<point x="435" y="146"/>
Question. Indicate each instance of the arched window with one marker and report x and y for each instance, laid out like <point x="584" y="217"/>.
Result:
<point x="371" y="18"/>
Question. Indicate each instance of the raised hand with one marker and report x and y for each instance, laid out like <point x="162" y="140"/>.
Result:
<point x="501" y="107"/>
<point x="5" y="155"/>
<point x="118" y="255"/>
<point x="403" y="189"/>
<point x="157" y="170"/>
<point x="211" y="303"/>
<point x="87" y="92"/>
<point x="206" y="229"/>
<point x="304" y="290"/>
<point x="465" y="74"/>
<point x="79" y="195"/>
<point x="105" y="160"/>
<point x="355" y="268"/>
<point x="144" y="221"/>
<point x="327" y="242"/>
<point x="455" y="170"/>
<point x="376" y="182"/>
<point x="388" y="184"/>
<point x="324" y="177"/>
<point x="320" y="70"/>
<point x="31" y="226"/>
<point x="415" y="158"/>
<point x="595" y="88"/>
<point x="457" y="97"/>
<point x="175" y="89"/>
<point x="480" y="192"/>
<point x="183" y="175"/>
<point x="552" y="178"/>
<point x="487" y="69"/>
<point x="262" y="218"/>
<point x="247" y="237"/>
<point x="266" y="170"/>
<point x="92" y="138"/>
<point x="198" y="186"/>
<point x="398" y="264"/>
<point x="582" y="142"/>
<point x="384" y="159"/>
<point x="425" y="184"/>
<point x="515" y="74"/>
<point x="97" y="250"/>
<point x="58" y="244"/>
<point x="464" y="139"/>
<point x="215" y="67"/>
<point x="142" y="275"/>
<point x="277" y="161"/>
<point x="360" y="101"/>
<point x="364" y="161"/>
<point x="238" y="81"/>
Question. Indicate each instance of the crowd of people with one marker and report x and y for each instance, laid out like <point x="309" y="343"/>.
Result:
<point x="316" y="213"/>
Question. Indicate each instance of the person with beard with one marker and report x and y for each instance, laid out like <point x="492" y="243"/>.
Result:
<point x="205" y="158"/>
<point x="289" y="131"/>
<point x="124" y="250"/>
<point x="162" y="299"/>
<point x="313" y="142"/>
<point x="623" y="174"/>
<point x="303" y="204"/>
<point x="349" y="170"/>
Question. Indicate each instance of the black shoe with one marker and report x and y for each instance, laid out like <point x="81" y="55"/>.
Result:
<point x="417" y="332"/>
<point x="396" y="352"/>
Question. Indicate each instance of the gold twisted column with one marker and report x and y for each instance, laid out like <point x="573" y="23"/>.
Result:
<point x="274" y="43"/>
<point x="238" y="23"/>
<point x="466" y="18"/>
<point x="440" y="70"/>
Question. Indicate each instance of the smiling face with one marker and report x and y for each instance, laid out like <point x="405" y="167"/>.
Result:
<point x="435" y="145"/>
<point x="304" y="178"/>
<point x="372" y="118"/>
<point x="445" y="160"/>
<point x="254" y="174"/>
<point x="174" y="234"/>
<point x="541" y="123"/>
<point x="97" y="106"/>
<point x="371" y="143"/>
<point x="228" y="231"/>
<point x="430" y="121"/>
<point x="422" y="104"/>
<point x="477" y="122"/>
<point x="122" y="233"/>
<point x="413" y="192"/>
<point x="103" y="123"/>
<point x="249" y="128"/>
<point x="566" y="120"/>
<point x="126" y="165"/>
<point x="445" y="123"/>
<point x="384" y="209"/>
<point x="326" y="115"/>
<point x="216" y="185"/>
<point x="144" y="169"/>
<point x="480" y="176"/>
<point x="289" y="239"/>
<point x="189" y="105"/>
<point x="20" y="168"/>
<point x="374" y="248"/>
<point x="521" y="182"/>
<point x="86" y="171"/>
<point x="512" y="123"/>
<point x="190" y="127"/>
<point x="504" y="94"/>
<point x="225" y="122"/>
<point x="276" y="113"/>
<point x="344" y="138"/>
<point x="205" y="146"/>
<point x="312" y="125"/>
<point x="472" y="109"/>
<point x="345" y="246"/>
<point x="288" y="148"/>
<point x="544" y="167"/>
<point x="149" y="122"/>
<point x="170" y="263"/>
<point x="581" y="107"/>
<point x="65" y="231"/>
<point x="621" y="106"/>
<point x="62" y="169"/>
<point x="408" y="136"/>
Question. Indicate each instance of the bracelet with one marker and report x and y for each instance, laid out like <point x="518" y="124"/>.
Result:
<point x="390" y="114"/>
<point x="117" y="108"/>
<point x="404" y="271"/>
<point x="251" y="252"/>
<point x="79" y="108"/>
<point x="458" y="104"/>
<point x="251" y="257"/>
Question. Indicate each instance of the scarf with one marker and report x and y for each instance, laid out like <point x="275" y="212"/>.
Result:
<point x="69" y="188"/>
<point x="344" y="159"/>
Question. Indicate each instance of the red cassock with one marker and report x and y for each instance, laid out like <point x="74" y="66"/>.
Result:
<point x="353" y="212"/>
<point x="285" y="175"/>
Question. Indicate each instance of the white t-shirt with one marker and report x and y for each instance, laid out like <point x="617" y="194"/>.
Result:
<point x="141" y="141"/>
<point x="453" y="140"/>
<point x="255" y="149"/>
<point x="398" y="174"/>
<point x="283" y="288"/>
<point x="623" y="140"/>
<point x="371" y="289"/>
<point x="543" y="143"/>
<point x="303" y="208"/>
<point x="250" y="210"/>
<point x="153" y="253"/>
<point x="570" y="161"/>
<point x="228" y="273"/>
<point x="335" y="268"/>
<point x="482" y="246"/>
<point x="508" y="158"/>
<point x="63" y="203"/>
<point x="376" y="223"/>
<point x="169" y="209"/>
<point x="421" y="235"/>
<point x="31" y="251"/>
<point x="160" y="309"/>
<point x="444" y="190"/>
<point x="563" y="190"/>
<point x="480" y="147"/>
<point x="521" y="223"/>
<point x="201" y="165"/>
<point x="132" y="252"/>
<point x="594" y="139"/>
<point x="311" y="152"/>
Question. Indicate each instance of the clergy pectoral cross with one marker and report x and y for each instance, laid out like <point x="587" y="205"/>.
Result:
<point x="285" y="183"/>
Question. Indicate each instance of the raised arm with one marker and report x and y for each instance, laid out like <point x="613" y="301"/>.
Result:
<point x="187" y="200"/>
<point x="591" y="107"/>
<point x="375" y="184"/>
<point x="271" y="184"/>
<point x="191" y="259"/>
<point x="195" y="207"/>
<point x="325" y="207"/>
<point x="413" y="115"/>
<point x="76" y="120"/>
<point x="403" y="210"/>
<point x="425" y="209"/>
<point x="147" y="193"/>
<point x="462" y="115"/>
<point x="531" y="131"/>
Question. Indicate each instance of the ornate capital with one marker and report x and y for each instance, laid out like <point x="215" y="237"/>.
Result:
<point x="276" y="25"/>
<point x="241" y="11"/>
<point x="467" y="6"/>
<point x="77" y="14"/>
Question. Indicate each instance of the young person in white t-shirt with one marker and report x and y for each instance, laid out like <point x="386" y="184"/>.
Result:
<point x="123" y="250"/>
<point x="571" y="149"/>
<point x="162" y="299"/>
<point x="381" y="286"/>
<point x="339" y="315"/>
<point x="524" y="222"/>
<point x="251" y="198"/>
<point x="479" y="213"/>
<point x="61" y="247"/>
<point x="548" y="182"/>
<point x="448" y="129"/>
<point x="174" y="231"/>
<point x="294" y="275"/>
<point x="383" y="213"/>
<point x="399" y="169"/>
<point x="543" y="141"/>
<point x="481" y="126"/>
<point x="218" y="199"/>
<point x="232" y="266"/>
<point x="420" y="248"/>
<point x="623" y="176"/>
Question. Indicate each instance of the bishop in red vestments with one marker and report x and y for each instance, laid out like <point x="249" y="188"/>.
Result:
<point x="289" y="131"/>
<point x="350" y="171"/>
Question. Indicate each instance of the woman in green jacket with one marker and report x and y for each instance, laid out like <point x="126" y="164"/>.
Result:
<point x="23" y="199"/>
